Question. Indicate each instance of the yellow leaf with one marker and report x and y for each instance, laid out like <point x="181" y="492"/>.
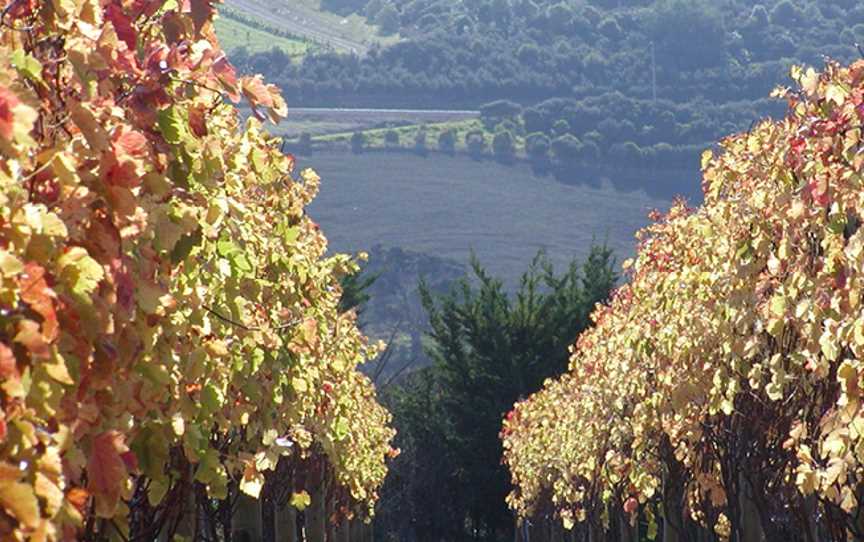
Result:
<point x="178" y="424"/>
<point x="778" y="305"/>
<point x="19" y="500"/>
<point x="299" y="385"/>
<point x="300" y="500"/>
<point x="828" y="342"/>
<point x="807" y="481"/>
<point x="252" y="482"/>
<point x="216" y="348"/>
<point x="64" y="8"/>
<point x="810" y="81"/>
<point x="848" y="502"/>
<point x="10" y="265"/>
<point x="58" y="371"/>
<point x="836" y="93"/>
<point x="858" y="332"/>
<point x="64" y="168"/>
<point x="49" y="491"/>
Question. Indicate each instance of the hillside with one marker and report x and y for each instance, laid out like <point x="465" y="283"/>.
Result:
<point x="645" y="85"/>
<point x="305" y="18"/>
<point x="238" y="30"/>
<point x="463" y="54"/>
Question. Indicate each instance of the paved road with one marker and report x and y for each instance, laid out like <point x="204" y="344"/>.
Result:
<point x="301" y="21"/>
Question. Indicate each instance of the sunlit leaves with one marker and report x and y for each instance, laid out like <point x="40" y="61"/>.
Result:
<point x="300" y="500"/>
<point x="161" y="287"/>
<point x="106" y="472"/>
<point x="79" y="271"/>
<point x="743" y="313"/>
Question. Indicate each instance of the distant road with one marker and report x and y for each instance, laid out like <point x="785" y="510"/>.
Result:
<point x="301" y="21"/>
<point x="411" y="112"/>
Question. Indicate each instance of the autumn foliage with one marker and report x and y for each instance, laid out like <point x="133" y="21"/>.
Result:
<point x="722" y="386"/>
<point x="168" y="320"/>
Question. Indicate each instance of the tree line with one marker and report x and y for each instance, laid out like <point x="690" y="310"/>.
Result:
<point x="460" y="55"/>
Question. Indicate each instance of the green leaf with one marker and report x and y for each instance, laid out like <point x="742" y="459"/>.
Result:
<point x="778" y="305"/>
<point x="208" y="469"/>
<point x="184" y="246"/>
<point x="151" y="449"/>
<point x="158" y="374"/>
<point x="172" y="125"/>
<point x="226" y="247"/>
<point x="80" y="272"/>
<point x="27" y="65"/>
<point x="211" y="399"/>
<point x="837" y="224"/>
<point x="257" y="359"/>
<point x="240" y="262"/>
<point x="290" y="235"/>
<point x="743" y="251"/>
<point x="341" y="428"/>
<point x="157" y="490"/>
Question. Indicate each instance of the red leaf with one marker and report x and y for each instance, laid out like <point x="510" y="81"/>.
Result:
<point x="130" y="461"/>
<point x="119" y="172"/>
<point x="156" y="59"/>
<point x="21" y="8"/>
<point x="36" y="293"/>
<point x="197" y="121"/>
<point x="147" y="8"/>
<point x="104" y="366"/>
<point x="256" y="91"/>
<point x="32" y="339"/>
<point x="106" y="471"/>
<point x="173" y="27"/>
<point x="8" y="365"/>
<point x="130" y="142"/>
<point x="78" y="498"/>
<point x="125" y="285"/>
<point x="122" y="25"/>
<point x="8" y="102"/>
<point x="202" y="11"/>
<point x="228" y="77"/>
<point x="103" y="237"/>
<point x="819" y="191"/>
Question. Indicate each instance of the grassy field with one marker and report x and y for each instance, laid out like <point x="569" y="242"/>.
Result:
<point x="305" y="18"/>
<point x="449" y="207"/>
<point x="233" y="34"/>
<point x="353" y="27"/>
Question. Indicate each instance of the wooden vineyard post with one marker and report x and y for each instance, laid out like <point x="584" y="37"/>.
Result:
<point x="316" y="516"/>
<point x="286" y="523"/>
<point x="247" y="519"/>
<point x="342" y="532"/>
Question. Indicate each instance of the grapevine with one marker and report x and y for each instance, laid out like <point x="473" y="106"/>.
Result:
<point x="164" y="298"/>
<point x="722" y="385"/>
